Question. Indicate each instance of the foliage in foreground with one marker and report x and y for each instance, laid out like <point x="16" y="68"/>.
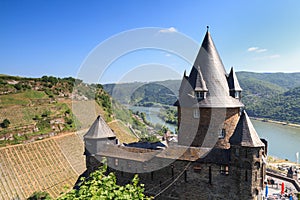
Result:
<point x="40" y="196"/>
<point x="101" y="186"/>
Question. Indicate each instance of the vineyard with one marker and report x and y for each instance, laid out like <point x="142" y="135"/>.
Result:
<point x="51" y="165"/>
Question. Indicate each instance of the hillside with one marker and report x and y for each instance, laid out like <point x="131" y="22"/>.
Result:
<point x="36" y="108"/>
<point x="265" y="95"/>
<point x="52" y="165"/>
<point x="42" y="124"/>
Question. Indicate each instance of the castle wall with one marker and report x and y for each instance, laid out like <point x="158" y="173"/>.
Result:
<point x="204" y="131"/>
<point x="192" y="180"/>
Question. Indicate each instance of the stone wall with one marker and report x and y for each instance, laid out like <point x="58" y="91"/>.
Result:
<point x="204" y="131"/>
<point x="195" y="180"/>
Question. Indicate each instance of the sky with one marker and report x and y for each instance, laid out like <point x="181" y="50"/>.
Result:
<point x="63" y="38"/>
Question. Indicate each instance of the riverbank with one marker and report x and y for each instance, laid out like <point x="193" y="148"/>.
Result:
<point x="276" y="122"/>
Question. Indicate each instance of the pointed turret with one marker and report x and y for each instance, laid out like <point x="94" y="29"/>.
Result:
<point x="233" y="84"/>
<point x="208" y="74"/>
<point x="196" y="80"/>
<point x="98" y="136"/>
<point x="244" y="134"/>
<point x="99" y="130"/>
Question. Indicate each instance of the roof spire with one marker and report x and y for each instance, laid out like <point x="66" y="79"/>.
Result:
<point x="207" y="27"/>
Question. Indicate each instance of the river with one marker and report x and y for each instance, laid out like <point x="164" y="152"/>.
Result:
<point x="283" y="140"/>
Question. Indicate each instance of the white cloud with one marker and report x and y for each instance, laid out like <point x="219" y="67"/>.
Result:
<point x="168" y="30"/>
<point x="167" y="55"/>
<point x="274" y="56"/>
<point x="256" y="49"/>
<point x="253" y="49"/>
<point x="261" y="50"/>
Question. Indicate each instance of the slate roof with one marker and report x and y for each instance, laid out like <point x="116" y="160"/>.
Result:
<point x="216" y="155"/>
<point x="208" y="73"/>
<point x="146" y="145"/>
<point x="196" y="80"/>
<point x="233" y="82"/>
<point x="99" y="130"/>
<point x="245" y="134"/>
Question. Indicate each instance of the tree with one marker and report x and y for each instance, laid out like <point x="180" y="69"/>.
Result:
<point x="5" y="123"/>
<point x="40" y="196"/>
<point x="101" y="186"/>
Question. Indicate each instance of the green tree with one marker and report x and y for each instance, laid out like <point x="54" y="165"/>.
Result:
<point x="40" y="196"/>
<point x="101" y="186"/>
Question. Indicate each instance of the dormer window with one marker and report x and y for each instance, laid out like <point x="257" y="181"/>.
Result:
<point x="199" y="95"/>
<point x="222" y="133"/>
<point x="237" y="94"/>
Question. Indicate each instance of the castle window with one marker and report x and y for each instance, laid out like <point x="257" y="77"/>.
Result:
<point x="237" y="152"/>
<point x="237" y="95"/>
<point x="209" y="175"/>
<point x="199" y="95"/>
<point x="255" y="176"/>
<point x="144" y="167"/>
<point x="196" y="113"/>
<point x="246" y="175"/>
<point x="224" y="170"/>
<point x="222" y="133"/>
<point x="197" y="168"/>
<point x="116" y="162"/>
<point x="257" y="154"/>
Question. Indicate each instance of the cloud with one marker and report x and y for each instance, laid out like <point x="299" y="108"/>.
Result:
<point x="167" y="55"/>
<point x="270" y="57"/>
<point x="253" y="48"/>
<point x="261" y="50"/>
<point x="256" y="49"/>
<point x="274" y="56"/>
<point x="168" y="30"/>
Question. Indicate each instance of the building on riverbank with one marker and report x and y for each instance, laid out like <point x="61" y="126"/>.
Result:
<point x="218" y="155"/>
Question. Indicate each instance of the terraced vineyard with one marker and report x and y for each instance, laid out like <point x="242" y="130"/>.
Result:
<point x="51" y="165"/>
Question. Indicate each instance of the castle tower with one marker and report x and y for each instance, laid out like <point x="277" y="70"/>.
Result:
<point x="246" y="163"/>
<point x="96" y="139"/>
<point x="234" y="86"/>
<point x="207" y="112"/>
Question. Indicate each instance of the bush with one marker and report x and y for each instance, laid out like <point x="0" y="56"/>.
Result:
<point x="39" y="196"/>
<point x="5" y="123"/>
<point x="101" y="186"/>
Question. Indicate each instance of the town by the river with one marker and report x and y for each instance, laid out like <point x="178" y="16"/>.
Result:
<point x="283" y="140"/>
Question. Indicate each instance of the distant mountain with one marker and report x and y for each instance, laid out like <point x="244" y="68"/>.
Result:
<point x="265" y="95"/>
<point x="138" y="93"/>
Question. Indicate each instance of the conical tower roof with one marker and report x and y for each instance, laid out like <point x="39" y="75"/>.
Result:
<point x="245" y="134"/>
<point x="99" y="130"/>
<point x="233" y="82"/>
<point x="183" y="82"/>
<point x="210" y="66"/>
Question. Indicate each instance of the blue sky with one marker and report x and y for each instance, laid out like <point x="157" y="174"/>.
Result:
<point x="55" y="37"/>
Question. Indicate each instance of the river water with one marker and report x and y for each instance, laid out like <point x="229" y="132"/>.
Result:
<point x="283" y="140"/>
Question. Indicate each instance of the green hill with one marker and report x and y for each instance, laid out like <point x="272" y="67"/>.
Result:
<point x="36" y="108"/>
<point x="266" y="95"/>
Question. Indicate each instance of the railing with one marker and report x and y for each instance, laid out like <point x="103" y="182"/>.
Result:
<point x="287" y="179"/>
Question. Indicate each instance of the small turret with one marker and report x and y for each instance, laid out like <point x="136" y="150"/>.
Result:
<point x="247" y="153"/>
<point x="198" y="84"/>
<point x="98" y="136"/>
<point x="233" y="84"/>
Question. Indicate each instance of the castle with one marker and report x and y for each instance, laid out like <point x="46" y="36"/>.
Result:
<point x="218" y="154"/>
